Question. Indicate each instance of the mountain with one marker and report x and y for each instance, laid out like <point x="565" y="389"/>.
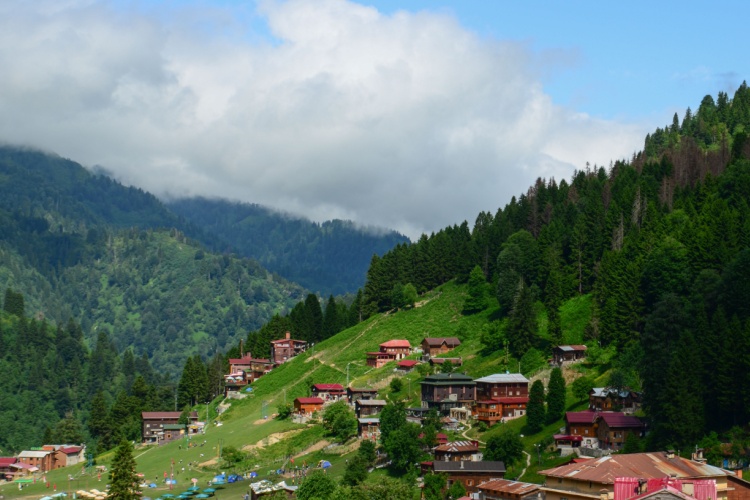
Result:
<point x="82" y="246"/>
<point x="329" y="258"/>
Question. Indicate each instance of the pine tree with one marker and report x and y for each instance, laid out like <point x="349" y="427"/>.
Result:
<point x="555" y="396"/>
<point x="123" y="478"/>
<point x="535" y="408"/>
<point x="477" y="299"/>
<point x="522" y="326"/>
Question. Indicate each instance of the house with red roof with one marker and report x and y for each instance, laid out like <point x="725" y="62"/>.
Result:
<point x="614" y="428"/>
<point x="328" y="392"/>
<point x="393" y="350"/>
<point x="580" y="430"/>
<point x="505" y="489"/>
<point x="406" y="365"/>
<point x="66" y="455"/>
<point x="307" y="406"/>
<point x="6" y="471"/>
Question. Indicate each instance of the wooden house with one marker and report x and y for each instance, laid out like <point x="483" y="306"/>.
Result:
<point x="66" y="455"/>
<point x="353" y="394"/>
<point x="502" y="385"/>
<point x="406" y="365"/>
<point x="440" y="361"/>
<point x="328" y="392"/>
<point x="581" y="430"/>
<point x="614" y="427"/>
<point x="283" y="350"/>
<point x="444" y="391"/>
<point x="435" y="346"/>
<point x="368" y="428"/>
<point x="469" y="474"/>
<point x="492" y="411"/>
<point x="153" y="422"/>
<point x="610" y="399"/>
<point x="258" y="368"/>
<point x="41" y="459"/>
<point x="567" y="353"/>
<point x="368" y="407"/>
<point x="456" y="451"/>
<point x="307" y="406"/>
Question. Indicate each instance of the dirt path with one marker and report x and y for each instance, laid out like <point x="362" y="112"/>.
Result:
<point x="528" y="462"/>
<point x="270" y="440"/>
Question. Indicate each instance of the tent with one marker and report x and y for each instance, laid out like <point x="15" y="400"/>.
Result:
<point x="324" y="464"/>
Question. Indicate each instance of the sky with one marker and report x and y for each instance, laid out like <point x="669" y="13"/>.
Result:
<point x="410" y="115"/>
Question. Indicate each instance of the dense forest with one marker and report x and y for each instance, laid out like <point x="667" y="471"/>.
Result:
<point x="660" y="241"/>
<point x="327" y="258"/>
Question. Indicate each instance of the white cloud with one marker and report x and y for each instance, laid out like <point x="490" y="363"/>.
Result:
<point x="407" y="121"/>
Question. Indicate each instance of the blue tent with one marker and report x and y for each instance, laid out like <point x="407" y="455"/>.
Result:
<point x="324" y="464"/>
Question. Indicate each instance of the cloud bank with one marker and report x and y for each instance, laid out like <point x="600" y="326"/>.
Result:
<point x="331" y="109"/>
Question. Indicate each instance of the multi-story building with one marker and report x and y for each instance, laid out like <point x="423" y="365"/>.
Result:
<point x="283" y="350"/>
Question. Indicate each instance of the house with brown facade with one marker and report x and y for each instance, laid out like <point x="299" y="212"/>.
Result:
<point x="239" y="365"/>
<point x="501" y="397"/>
<point x="368" y="428"/>
<point x="441" y="361"/>
<point x="283" y="350"/>
<point x="368" y="407"/>
<point x="328" y="392"/>
<point x="568" y="353"/>
<point x="580" y="430"/>
<point x="66" y="455"/>
<point x="505" y="489"/>
<point x="393" y="350"/>
<point x="469" y="474"/>
<point x="614" y="427"/>
<point x="153" y="422"/>
<point x="444" y="391"/>
<point x="611" y="399"/>
<point x="307" y="406"/>
<point x="44" y="460"/>
<point x="593" y="478"/>
<point x="406" y="365"/>
<point x="258" y="368"/>
<point x="435" y="346"/>
<point x="353" y="394"/>
<point x="456" y="451"/>
<point x="492" y="411"/>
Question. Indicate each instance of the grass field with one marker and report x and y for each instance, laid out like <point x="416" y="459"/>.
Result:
<point x="243" y="425"/>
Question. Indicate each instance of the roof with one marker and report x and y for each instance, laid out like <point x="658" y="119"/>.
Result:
<point x="328" y="387"/>
<point x="437" y="341"/>
<point x="469" y="466"/>
<point x="458" y="446"/>
<point x="71" y="449"/>
<point x="615" y="420"/>
<point x="173" y="427"/>
<point x="6" y="461"/>
<point x="369" y="420"/>
<point x="310" y="401"/>
<point x="571" y="348"/>
<point x="34" y="454"/>
<point x="352" y="389"/>
<point x="150" y="415"/>
<point x="509" y="487"/>
<point x="408" y="362"/>
<point x="504" y="378"/>
<point x="288" y="340"/>
<point x="643" y="465"/>
<point x="440" y="361"/>
<point x="604" y="392"/>
<point x="448" y="379"/>
<point x="567" y="437"/>
<point x="667" y="491"/>
<point x="237" y="361"/>
<point x="371" y="402"/>
<point x="396" y="343"/>
<point x="582" y="417"/>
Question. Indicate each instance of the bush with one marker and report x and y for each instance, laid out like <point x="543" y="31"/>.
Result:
<point x="396" y="385"/>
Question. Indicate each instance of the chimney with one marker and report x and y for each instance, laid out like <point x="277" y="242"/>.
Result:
<point x="462" y="464"/>
<point x="739" y="473"/>
<point x="288" y="336"/>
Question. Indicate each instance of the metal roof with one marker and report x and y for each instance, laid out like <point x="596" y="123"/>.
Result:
<point x="310" y="401"/>
<point x="469" y="466"/>
<point x="437" y="341"/>
<point x="371" y="402"/>
<point x="456" y="446"/>
<point x="644" y="465"/>
<point x="33" y="454"/>
<point x="509" y="487"/>
<point x="396" y="343"/>
<point x="369" y="420"/>
<point x="504" y="378"/>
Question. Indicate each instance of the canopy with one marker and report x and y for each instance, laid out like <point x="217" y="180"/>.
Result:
<point x="209" y="490"/>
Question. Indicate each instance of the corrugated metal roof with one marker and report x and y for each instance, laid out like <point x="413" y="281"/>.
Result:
<point x="33" y="454"/>
<point x="615" y="420"/>
<point x="437" y="341"/>
<point x="504" y="378"/>
<point x="644" y="465"/>
<point x="149" y="415"/>
<point x="329" y="387"/>
<point x="310" y="401"/>
<point x="369" y="420"/>
<point x="456" y="446"/>
<point x="469" y="466"/>
<point x="371" y="402"/>
<point x="509" y="487"/>
<point x="396" y="343"/>
<point x="582" y="417"/>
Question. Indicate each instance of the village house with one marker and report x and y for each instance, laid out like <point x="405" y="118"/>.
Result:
<point x="307" y="406"/>
<point x="41" y="459"/>
<point x="66" y="455"/>
<point x="368" y="428"/>
<point x="610" y="399"/>
<point x="393" y="350"/>
<point x="614" y="427"/>
<point x="501" y="397"/>
<point x="444" y="391"/>
<point x="153" y="422"/>
<point x="568" y="353"/>
<point x="439" y="437"/>
<point x="328" y="392"/>
<point x="504" y="489"/>
<point x="435" y="346"/>
<point x="589" y="479"/>
<point x="7" y="472"/>
<point x="469" y="474"/>
<point x="457" y="451"/>
<point x="258" y="368"/>
<point x="406" y="365"/>
<point x="368" y="407"/>
<point x="581" y="430"/>
<point x="353" y="394"/>
<point x="666" y="488"/>
<point x="283" y="350"/>
<point x="239" y="365"/>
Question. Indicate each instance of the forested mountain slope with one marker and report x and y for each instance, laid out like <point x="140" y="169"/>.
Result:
<point x="328" y="258"/>
<point x="661" y="241"/>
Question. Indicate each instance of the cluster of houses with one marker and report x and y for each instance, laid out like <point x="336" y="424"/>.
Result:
<point x="44" y="459"/>
<point x="161" y="427"/>
<point x="246" y="369"/>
